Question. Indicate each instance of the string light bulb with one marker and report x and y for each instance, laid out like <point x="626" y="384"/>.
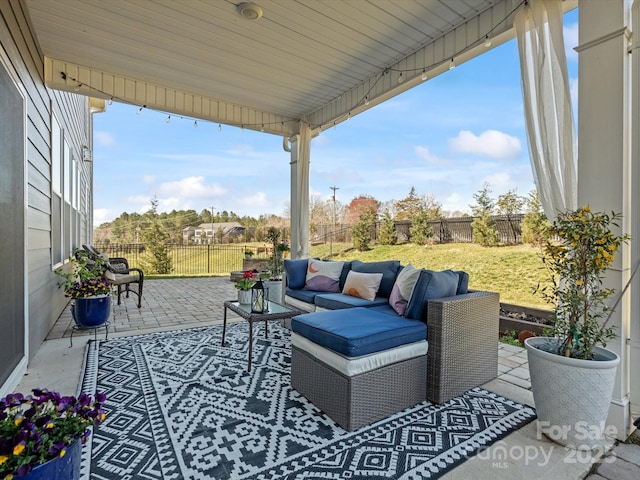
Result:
<point x="219" y="127"/>
<point x="110" y="101"/>
<point x="168" y="118"/>
<point x="262" y="128"/>
<point x="366" y="100"/>
<point x="452" y="64"/>
<point x="424" y="74"/>
<point x="400" y="78"/>
<point x="487" y="41"/>
<point x="139" y="111"/>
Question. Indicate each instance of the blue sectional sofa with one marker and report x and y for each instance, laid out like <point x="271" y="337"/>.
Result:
<point x="386" y="337"/>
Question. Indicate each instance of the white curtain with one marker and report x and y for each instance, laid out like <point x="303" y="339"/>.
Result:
<point x="300" y="211"/>
<point x="547" y="104"/>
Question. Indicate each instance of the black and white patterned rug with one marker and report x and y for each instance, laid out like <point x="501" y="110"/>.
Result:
<point x="181" y="406"/>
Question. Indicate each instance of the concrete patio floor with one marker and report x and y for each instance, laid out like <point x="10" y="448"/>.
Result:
<point x="186" y="303"/>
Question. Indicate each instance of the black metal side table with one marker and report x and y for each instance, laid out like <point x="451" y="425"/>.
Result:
<point x="274" y="312"/>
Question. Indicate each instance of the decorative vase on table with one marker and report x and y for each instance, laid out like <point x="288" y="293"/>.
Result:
<point x="91" y="312"/>
<point x="244" y="297"/>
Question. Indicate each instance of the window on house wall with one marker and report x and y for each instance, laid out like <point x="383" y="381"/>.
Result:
<point x="57" y="254"/>
<point x="67" y="181"/>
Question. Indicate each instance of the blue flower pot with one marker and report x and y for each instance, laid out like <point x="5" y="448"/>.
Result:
<point x="59" y="468"/>
<point x="91" y="312"/>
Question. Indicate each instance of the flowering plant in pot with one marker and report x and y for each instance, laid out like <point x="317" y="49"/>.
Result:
<point x="572" y="374"/>
<point x="91" y="292"/>
<point x="85" y="278"/>
<point x="36" y="429"/>
<point x="246" y="282"/>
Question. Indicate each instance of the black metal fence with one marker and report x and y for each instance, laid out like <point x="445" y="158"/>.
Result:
<point x="445" y="230"/>
<point x="221" y="259"/>
<point x="186" y="259"/>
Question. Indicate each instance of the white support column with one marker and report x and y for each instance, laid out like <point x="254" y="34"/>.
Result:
<point x="635" y="202"/>
<point x="300" y="157"/>
<point x="606" y="179"/>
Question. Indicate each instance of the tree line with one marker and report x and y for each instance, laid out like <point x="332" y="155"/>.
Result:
<point x="361" y="213"/>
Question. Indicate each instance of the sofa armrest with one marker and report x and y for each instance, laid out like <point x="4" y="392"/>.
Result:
<point x="462" y="332"/>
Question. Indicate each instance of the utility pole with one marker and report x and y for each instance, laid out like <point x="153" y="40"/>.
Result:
<point x="334" y="188"/>
<point x="213" y="235"/>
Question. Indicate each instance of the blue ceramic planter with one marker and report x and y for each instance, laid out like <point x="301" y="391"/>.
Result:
<point x="91" y="312"/>
<point x="59" y="468"/>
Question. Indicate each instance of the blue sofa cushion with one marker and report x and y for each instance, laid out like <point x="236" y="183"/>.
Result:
<point x="336" y="301"/>
<point x="358" y="331"/>
<point x="307" y="296"/>
<point x="296" y="271"/>
<point x="346" y="268"/>
<point x="389" y="270"/>
<point x="430" y="285"/>
<point x="463" y="282"/>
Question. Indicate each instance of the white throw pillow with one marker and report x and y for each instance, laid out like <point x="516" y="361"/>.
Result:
<point x="323" y="276"/>
<point x="363" y="285"/>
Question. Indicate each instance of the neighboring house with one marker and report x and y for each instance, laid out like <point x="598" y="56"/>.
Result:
<point x="188" y="235"/>
<point x="46" y="192"/>
<point x="208" y="233"/>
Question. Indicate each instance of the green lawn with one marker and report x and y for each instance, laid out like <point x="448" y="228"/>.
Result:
<point x="513" y="271"/>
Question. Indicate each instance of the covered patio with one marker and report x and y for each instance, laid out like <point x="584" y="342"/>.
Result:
<point x="175" y="304"/>
<point x="294" y="69"/>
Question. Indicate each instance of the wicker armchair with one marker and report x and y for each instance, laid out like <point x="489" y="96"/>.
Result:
<point x="463" y="343"/>
<point x="120" y="274"/>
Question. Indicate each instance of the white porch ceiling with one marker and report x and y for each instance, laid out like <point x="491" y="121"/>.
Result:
<point x="311" y="60"/>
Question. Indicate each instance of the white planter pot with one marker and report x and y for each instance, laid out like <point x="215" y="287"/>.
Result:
<point x="244" y="296"/>
<point x="275" y="290"/>
<point x="571" y="395"/>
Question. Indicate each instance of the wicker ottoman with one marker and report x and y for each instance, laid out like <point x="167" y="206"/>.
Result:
<point x="356" y="400"/>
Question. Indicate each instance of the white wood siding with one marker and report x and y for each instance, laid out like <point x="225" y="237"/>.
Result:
<point x="45" y="300"/>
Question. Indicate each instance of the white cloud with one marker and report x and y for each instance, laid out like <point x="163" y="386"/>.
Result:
<point x="191" y="187"/>
<point x="101" y="215"/>
<point x="426" y="155"/>
<point x="490" y="143"/>
<point x="570" y="33"/>
<point x="103" y="138"/>
<point x="499" y="181"/>
<point x="148" y="179"/>
<point x="573" y="91"/>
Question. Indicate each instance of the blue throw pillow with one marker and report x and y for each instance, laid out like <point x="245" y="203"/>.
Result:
<point x="430" y="285"/>
<point x="296" y="271"/>
<point x="389" y="270"/>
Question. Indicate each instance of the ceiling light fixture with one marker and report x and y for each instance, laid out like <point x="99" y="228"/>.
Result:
<point x="249" y="11"/>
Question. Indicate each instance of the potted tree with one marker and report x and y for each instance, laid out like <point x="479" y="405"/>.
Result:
<point x="274" y="283"/>
<point x="91" y="293"/>
<point x="572" y="374"/>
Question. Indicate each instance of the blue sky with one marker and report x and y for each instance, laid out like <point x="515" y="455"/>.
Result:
<point x="445" y="137"/>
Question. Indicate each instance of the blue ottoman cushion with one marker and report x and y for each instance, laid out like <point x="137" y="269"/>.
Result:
<point x="358" y="331"/>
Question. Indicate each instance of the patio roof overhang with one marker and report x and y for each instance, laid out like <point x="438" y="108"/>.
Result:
<point x="315" y="61"/>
